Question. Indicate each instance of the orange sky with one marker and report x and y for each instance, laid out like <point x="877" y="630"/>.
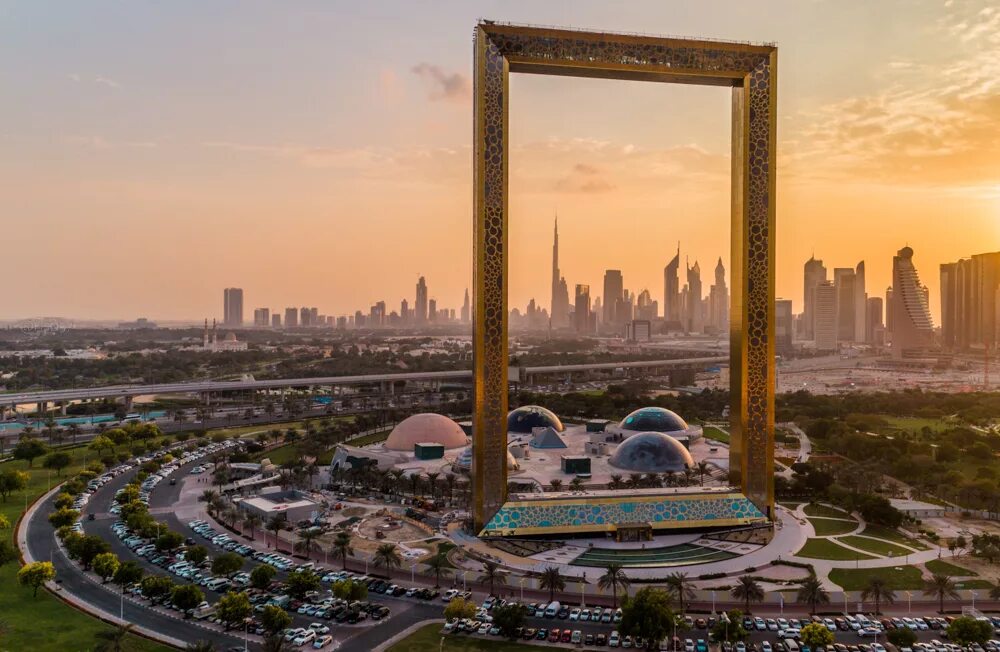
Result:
<point x="318" y="153"/>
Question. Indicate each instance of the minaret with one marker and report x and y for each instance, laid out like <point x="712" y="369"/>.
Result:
<point x="555" y="309"/>
<point x="215" y="333"/>
<point x="204" y="335"/>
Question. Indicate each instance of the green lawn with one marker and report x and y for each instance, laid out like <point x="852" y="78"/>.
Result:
<point x="875" y="546"/>
<point x="895" y="536"/>
<point x="828" y="549"/>
<point x="815" y="509"/>
<point x="941" y="567"/>
<point x="711" y="432"/>
<point x="916" y="424"/>
<point x="898" y="578"/>
<point x="45" y="623"/>
<point x="429" y="638"/>
<point x="373" y="438"/>
<point x="974" y="584"/>
<point x="828" y="526"/>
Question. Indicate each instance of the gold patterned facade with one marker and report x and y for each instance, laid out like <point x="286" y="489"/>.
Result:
<point x="750" y="70"/>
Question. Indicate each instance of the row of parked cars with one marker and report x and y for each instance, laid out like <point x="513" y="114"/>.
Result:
<point x="229" y="544"/>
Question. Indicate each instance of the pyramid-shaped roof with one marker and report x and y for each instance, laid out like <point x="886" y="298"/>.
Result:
<point x="546" y="437"/>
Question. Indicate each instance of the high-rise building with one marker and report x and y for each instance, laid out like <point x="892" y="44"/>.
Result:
<point x="614" y="299"/>
<point x="276" y="320"/>
<point x="466" y="308"/>
<point x="718" y="301"/>
<point x="404" y="311"/>
<point x="261" y="317"/>
<point x="843" y="282"/>
<point x="860" y="304"/>
<point x="432" y="310"/>
<point x="694" y="309"/>
<point x="581" y="315"/>
<point x="874" y="328"/>
<point x="314" y="319"/>
<point x="232" y="307"/>
<point x="970" y="308"/>
<point x="784" y="325"/>
<point x="814" y="274"/>
<point x="291" y="318"/>
<point x="671" y="289"/>
<point x="559" y="307"/>
<point x="420" y="307"/>
<point x="912" y="328"/>
<point x="645" y="308"/>
<point x="824" y="305"/>
<point x="305" y="317"/>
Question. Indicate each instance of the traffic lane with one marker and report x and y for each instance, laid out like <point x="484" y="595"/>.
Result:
<point x="42" y="545"/>
<point x="372" y="637"/>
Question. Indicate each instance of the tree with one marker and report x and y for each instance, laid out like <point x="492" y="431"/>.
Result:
<point x="728" y="628"/>
<point x="878" y="591"/>
<point x="680" y="586"/>
<point x="153" y="586"/>
<point x="36" y="574"/>
<point x="233" y="608"/>
<point x="8" y="552"/>
<point x="748" y="590"/>
<point x="350" y="590"/>
<point x="62" y="517"/>
<point x="128" y="573"/>
<point x="460" y="608"/>
<point x="902" y="637"/>
<point x="85" y="548"/>
<point x="169" y="541"/>
<point x="28" y="448"/>
<point x="493" y="574"/>
<point x="113" y="640"/>
<point x="816" y="634"/>
<point x="57" y="461"/>
<point x="811" y="592"/>
<point x="100" y="443"/>
<point x="275" y="525"/>
<point x="274" y="619"/>
<point x="648" y="614"/>
<point x="186" y="597"/>
<point x="614" y="578"/>
<point x="106" y="565"/>
<point x="509" y="618"/>
<point x="63" y="500"/>
<point x="301" y="582"/>
<point x="387" y="556"/>
<point x="439" y="564"/>
<point x="342" y="547"/>
<point x="227" y="563"/>
<point x="11" y="481"/>
<point x="552" y="580"/>
<point x="306" y="543"/>
<point x="196" y="554"/>
<point x="966" y="630"/>
<point x="251" y="521"/>
<point x="941" y="587"/>
<point x="261" y="576"/>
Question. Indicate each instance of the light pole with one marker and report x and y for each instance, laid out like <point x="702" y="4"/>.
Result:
<point x="973" y="594"/>
<point x="909" y="600"/>
<point x="522" y="588"/>
<point x="413" y="573"/>
<point x="713" y="603"/>
<point x="464" y="586"/>
<point x="583" y="590"/>
<point x="246" y="627"/>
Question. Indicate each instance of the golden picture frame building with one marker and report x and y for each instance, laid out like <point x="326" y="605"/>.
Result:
<point x="750" y="70"/>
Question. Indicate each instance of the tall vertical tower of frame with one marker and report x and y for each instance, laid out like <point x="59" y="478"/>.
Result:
<point x="750" y="70"/>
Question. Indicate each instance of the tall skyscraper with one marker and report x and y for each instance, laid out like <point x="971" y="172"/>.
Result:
<point x="559" y="306"/>
<point x="843" y="282"/>
<point x="432" y="310"/>
<point x="718" y="301"/>
<point x="261" y="317"/>
<point x="614" y="300"/>
<point x="783" y="326"/>
<point x="970" y="302"/>
<point x="420" y="307"/>
<point x="467" y="309"/>
<point x="232" y="307"/>
<point x="874" y="328"/>
<point x="694" y="319"/>
<point x="912" y="327"/>
<point x="671" y="289"/>
<point x="645" y="308"/>
<point x="291" y="318"/>
<point x="860" y="304"/>
<point x="814" y="274"/>
<point x="275" y="320"/>
<point x="824" y="304"/>
<point x="581" y="316"/>
<point x="404" y="311"/>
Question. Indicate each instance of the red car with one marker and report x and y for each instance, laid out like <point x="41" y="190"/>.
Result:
<point x="554" y="636"/>
<point x="566" y="634"/>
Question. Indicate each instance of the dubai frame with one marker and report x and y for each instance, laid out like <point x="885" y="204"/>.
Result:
<point x="750" y="70"/>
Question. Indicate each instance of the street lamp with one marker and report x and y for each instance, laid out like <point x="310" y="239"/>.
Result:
<point x="909" y="598"/>
<point x="464" y="573"/>
<point x="413" y="573"/>
<point x="246" y="636"/>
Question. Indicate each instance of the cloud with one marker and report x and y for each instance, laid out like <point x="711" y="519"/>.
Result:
<point x="452" y="87"/>
<point x="106" y="81"/>
<point x="585" y="178"/>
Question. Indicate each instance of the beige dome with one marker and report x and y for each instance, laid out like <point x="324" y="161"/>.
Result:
<point x="427" y="428"/>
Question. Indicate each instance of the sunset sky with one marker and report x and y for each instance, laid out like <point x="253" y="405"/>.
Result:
<point x="318" y="153"/>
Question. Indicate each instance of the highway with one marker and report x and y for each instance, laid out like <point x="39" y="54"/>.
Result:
<point x="196" y="387"/>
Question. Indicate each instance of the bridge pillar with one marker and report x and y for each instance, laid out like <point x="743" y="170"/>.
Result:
<point x="41" y="407"/>
<point x="128" y="403"/>
<point x="62" y="407"/>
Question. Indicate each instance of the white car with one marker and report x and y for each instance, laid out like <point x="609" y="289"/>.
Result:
<point x="574" y="614"/>
<point x="614" y="639"/>
<point x="306" y="637"/>
<point x="766" y="646"/>
<point x="449" y="595"/>
<point x="322" y="642"/>
<point x="319" y="628"/>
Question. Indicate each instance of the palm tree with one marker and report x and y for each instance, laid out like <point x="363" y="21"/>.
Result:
<point x="73" y="430"/>
<point x="669" y="478"/>
<point x="552" y="580"/>
<point x="387" y="556"/>
<point x="680" y="586"/>
<point x="878" y="591"/>
<point x="342" y="547"/>
<point x="250" y="521"/>
<point x="556" y="485"/>
<point x="616" y="481"/>
<point x="208" y="496"/>
<point x="941" y="587"/>
<point x="432" y="479"/>
<point x="493" y="574"/>
<point x="614" y="578"/>
<point x="274" y="525"/>
<point x="576" y="483"/>
<point x="748" y="590"/>
<point x="306" y="543"/>
<point x="702" y="470"/>
<point x="812" y="593"/>
<point x="449" y="480"/>
<point x="634" y="480"/>
<point x="439" y="564"/>
<point x="113" y="640"/>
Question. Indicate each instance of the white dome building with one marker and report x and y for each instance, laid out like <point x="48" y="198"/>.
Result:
<point x="426" y="428"/>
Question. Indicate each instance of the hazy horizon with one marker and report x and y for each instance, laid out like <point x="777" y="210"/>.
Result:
<point x="318" y="153"/>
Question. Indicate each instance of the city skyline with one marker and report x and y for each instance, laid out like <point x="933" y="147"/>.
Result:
<point x="291" y="183"/>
